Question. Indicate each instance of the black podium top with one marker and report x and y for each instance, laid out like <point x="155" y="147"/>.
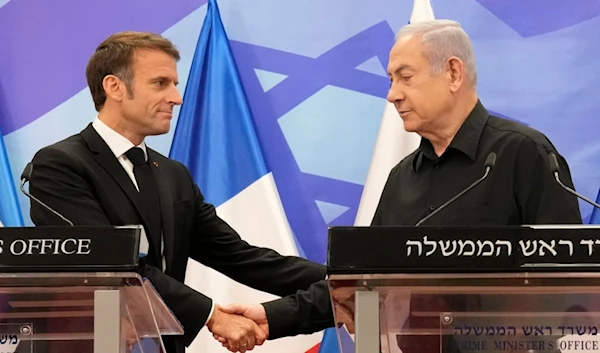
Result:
<point x="69" y="249"/>
<point x="454" y="249"/>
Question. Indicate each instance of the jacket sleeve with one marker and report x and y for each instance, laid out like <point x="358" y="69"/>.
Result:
<point x="305" y="312"/>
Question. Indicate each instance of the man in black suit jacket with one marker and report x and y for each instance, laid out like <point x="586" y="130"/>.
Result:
<point x="106" y="175"/>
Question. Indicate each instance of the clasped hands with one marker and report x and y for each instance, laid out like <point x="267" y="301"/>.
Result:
<point x="239" y="327"/>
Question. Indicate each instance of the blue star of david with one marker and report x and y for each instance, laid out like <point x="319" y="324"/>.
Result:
<point x="305" y="77"/>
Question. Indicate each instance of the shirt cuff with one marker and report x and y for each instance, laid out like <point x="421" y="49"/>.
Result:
<point x="212" y="309"/>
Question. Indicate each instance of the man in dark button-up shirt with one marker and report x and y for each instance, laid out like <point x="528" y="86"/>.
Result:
<point x="433" y="87"/>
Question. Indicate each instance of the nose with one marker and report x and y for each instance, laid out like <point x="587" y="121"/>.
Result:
<point x="395" y="93"/>
<point x="175" y="97"/>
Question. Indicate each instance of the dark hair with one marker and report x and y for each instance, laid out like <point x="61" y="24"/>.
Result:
<point x="114" y="56"/>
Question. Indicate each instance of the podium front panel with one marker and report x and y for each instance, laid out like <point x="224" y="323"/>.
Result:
<point x="60" y="312"/>
<point x="472" y="313"/>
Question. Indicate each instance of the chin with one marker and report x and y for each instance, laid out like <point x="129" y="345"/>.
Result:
<point x="165" y="127"/>
<point x="160" y="130"/>
<point x="410" y="126"/>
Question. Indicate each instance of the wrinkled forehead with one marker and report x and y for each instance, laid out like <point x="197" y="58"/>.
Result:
<point x="406" y="52"/>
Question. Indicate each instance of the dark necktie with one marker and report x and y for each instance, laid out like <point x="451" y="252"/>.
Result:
<point x="149" y="202"/>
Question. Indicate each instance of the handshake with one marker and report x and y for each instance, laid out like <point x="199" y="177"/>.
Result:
<point x="239" y="327"/>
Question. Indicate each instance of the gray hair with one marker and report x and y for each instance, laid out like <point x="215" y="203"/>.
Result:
<point x="443" y="39"/>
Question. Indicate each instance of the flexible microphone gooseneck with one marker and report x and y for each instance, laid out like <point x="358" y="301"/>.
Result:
<point x="25" y="177"/>
<point x="555" y="168"/>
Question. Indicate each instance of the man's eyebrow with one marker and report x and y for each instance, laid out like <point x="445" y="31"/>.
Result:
<point x="164" y="78"/>
<point x="402" y="67"/>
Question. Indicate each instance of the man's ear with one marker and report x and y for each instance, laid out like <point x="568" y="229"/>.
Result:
<point x="114" y="88"/>
<point x="456" y="71"/>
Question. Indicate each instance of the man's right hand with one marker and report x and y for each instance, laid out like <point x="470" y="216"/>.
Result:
<point x="241" y="333"/>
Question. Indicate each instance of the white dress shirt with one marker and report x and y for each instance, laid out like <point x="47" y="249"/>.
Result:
<point x="119" y="144"/>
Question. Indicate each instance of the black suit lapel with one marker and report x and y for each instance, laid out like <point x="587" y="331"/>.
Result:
<point x="105" y="157"/>
<point x="166" y="207"/>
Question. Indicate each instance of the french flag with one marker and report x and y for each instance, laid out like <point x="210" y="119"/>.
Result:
<point x="215" y="138"/>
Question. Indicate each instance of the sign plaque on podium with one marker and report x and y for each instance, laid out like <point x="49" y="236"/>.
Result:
<point x="473" y="289"/>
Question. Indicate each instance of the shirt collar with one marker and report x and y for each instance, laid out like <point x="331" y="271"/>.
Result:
<point x="466" y="139"/>
<point x="117" y="143"/>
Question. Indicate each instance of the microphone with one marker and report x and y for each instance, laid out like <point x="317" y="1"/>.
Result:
<point x="489" y="164"/>
<point x="25" y="176"/>
<point x="555" y="168"/>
